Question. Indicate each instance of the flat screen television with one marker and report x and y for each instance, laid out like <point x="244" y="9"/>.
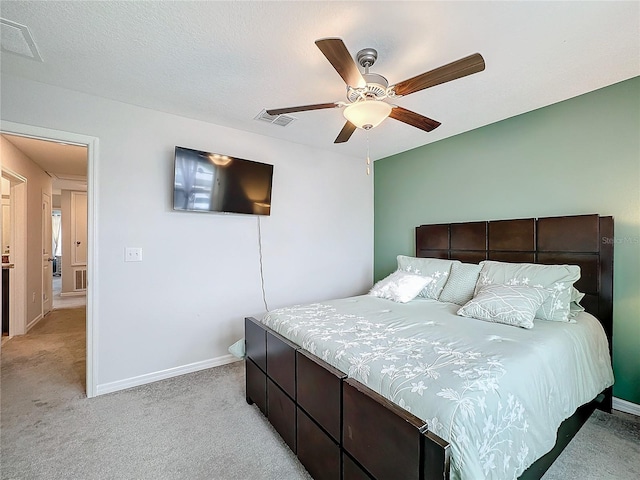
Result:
<point x="210" y="182"/>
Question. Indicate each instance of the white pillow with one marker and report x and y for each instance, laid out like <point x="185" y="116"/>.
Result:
<point x="434" y="268"/>
<point x="509" y="304"/>
<point x="400" y="286"/>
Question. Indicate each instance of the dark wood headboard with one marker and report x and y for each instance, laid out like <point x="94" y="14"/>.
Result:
<point x="583" y="240"/>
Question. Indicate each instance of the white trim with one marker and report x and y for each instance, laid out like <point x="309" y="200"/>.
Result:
<point x="19" y="291"/>
<point x="92" y="267"/>
<point x="34" y="322"/>
<point x="626" y="406"/>
<point x="73" y="294"/>
<point x="92" y="231"/>
<point x="164" y="374"/>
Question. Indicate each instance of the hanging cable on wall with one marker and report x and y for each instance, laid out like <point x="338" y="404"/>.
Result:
<point x="264" y="295"/>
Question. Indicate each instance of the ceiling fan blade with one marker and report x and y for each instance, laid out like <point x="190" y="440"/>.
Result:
<point x="345" y="133"/>
<point x="338" y="55"/>
<point x="458" y="69"/>
<point x="414" y="119"/>
<point x="302" y="108"/>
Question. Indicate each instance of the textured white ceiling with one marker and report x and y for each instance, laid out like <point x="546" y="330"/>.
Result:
<point x="223" y="62"/>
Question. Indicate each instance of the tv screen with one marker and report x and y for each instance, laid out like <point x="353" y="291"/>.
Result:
<point x="210" y="182"/>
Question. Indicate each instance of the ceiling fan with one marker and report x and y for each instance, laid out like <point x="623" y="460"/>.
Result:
<point x="366" y="92"/>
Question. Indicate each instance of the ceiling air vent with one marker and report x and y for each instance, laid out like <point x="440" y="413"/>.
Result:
<point x="282" y="120"/>
<point x="17" y="39"/>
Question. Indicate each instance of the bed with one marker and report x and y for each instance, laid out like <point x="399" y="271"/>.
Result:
<point x="347" y="413"/>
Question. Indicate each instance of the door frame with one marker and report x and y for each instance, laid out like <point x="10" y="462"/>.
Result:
<point x="91" y="143"/>
<point x="47" y="280"/>
<point x="18" y="275"/>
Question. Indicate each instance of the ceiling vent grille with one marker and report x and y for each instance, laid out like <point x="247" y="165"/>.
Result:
<point x="281" y="120"/>
<point x="17" y="39"/>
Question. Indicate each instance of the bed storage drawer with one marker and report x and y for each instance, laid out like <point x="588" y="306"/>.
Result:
<point x="281" y="362"/>
<point x="316" y="450"/>
<point x="351" y="470"/>
<point x="319" y="392"/>
<point x="256" y="342"/>
<point x="256" y="386"/>
<point x="281" y="412"/>
<point x="382" y="437"/>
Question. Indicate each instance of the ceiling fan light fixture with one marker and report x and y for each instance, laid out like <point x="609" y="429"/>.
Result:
<point x="366" y="91"/>
<point x="367" y="114"/>
<point x="220" y="160"/>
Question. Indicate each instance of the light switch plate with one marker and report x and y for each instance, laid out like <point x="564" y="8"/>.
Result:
<point x="133" y="254"/>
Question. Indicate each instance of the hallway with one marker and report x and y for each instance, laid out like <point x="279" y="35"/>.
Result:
<point x="60" y="339"/>
<point x="42" y="372"/>
<point x="72" y="301"/>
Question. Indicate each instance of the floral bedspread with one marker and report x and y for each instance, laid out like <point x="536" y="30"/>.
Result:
<point x="496" y="392"/>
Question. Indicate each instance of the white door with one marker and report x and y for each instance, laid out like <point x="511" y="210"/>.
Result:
<point x="47" y="254"/>
<point x="78" y="229"/>
<point x="79" y="240"/>
<point x="6" y="216"/>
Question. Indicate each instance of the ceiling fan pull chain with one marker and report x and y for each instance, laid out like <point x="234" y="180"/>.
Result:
<point x="368" y="157"/>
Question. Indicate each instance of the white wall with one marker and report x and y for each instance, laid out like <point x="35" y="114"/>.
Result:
<point x="37" y="183"/>
<point x="199" y="277"/>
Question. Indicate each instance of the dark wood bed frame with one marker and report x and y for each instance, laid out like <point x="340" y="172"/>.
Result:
<point x="341" y="429"/>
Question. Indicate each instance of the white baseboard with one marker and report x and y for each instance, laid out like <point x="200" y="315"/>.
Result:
<point x="164" y="374"/>
<point x="73" y="294"/>
<point x="618" y="403"/>
<point x="34" y="322"/>
<point x="625" y="406"/>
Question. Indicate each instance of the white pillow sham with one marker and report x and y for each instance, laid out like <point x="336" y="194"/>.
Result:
<point x="508" y="304"/>
<point x="434" y="268"/>
<point x="557" y="278"/>
<point x="400" y="286"/>
<point x="574" y="307"/>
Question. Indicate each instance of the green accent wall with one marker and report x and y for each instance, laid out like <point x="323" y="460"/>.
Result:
<point x="575" y="157"/>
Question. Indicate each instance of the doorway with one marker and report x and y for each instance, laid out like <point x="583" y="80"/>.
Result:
<point x="69" y="225"/>
<point x="14" y="260"/>
<point x="90" y="282"/>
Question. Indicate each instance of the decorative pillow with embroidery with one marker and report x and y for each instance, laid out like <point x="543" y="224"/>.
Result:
<point x="557" y="278"/>
<point x="400" y="286"/>
<point x="434" y="268"/>
<point x="509" y="304"/>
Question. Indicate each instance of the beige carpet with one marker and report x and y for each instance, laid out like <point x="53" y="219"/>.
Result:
<point x="66" y="301"/>
<point x="195" y="426"/>
<point x="192" y="427"/>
